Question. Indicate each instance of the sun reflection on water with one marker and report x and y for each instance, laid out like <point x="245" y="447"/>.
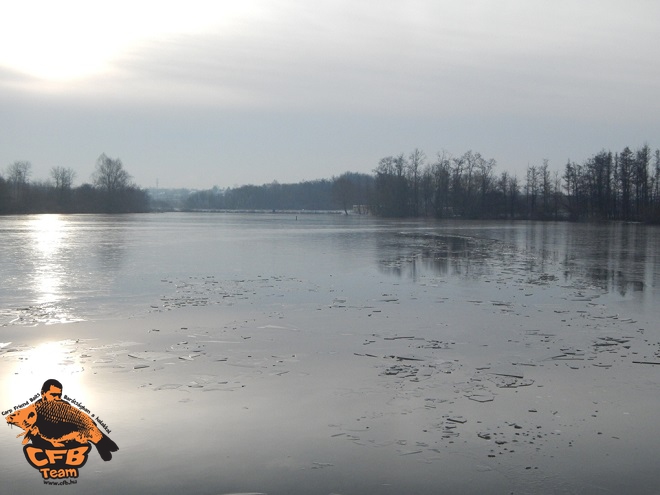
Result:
<point x="35" y="364"/>
<point x="50" y="235"/>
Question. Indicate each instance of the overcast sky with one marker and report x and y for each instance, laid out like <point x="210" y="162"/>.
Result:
<point x="203" y="93"/>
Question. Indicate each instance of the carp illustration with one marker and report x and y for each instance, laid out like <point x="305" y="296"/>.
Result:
<point x="59" y="423"/>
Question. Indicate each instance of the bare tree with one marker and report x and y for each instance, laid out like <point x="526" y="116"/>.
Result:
<point x="532" y="189"/>
<point x="416" y="161"/>
<point x="18" y="176"/>
<point x="63" y="177"/>
<point x="18" y="173"/>
<point x="546" y="186"/>
<point x="343" y="191"/>
<point x="626" y="169"/>
<point x="470" y="160"/>
<point x="442" y="177"/>
<point x="641" y="180"/>
<point x="514" y="190"/>
<point x="485" y="169"/>
<point x="503" y="188"/>
<point x="556" y="193"/>
<point x="110" y="175"/>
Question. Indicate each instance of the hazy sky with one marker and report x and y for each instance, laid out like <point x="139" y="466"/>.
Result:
<point x="201" y="93"/>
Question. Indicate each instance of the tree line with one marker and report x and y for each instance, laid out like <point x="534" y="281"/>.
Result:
<point x="339" y="193"/>
<point x="111" y="190"/>
<point x="607" y="186"/>
<point x="623" y="185"/>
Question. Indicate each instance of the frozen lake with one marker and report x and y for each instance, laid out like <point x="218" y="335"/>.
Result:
<point x="58" y="268"/>
<point x="320" y="354"/>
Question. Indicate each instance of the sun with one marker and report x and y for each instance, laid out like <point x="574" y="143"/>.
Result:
<point x="56" y="40"/>
<point x="74" y="39"/>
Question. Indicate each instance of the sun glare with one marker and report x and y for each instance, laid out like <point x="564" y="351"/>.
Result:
<point x="68" y="40"/>
<point x="46" y="360"/>
<point x="50" y="248"/>
<point x="49" y="234"/>
<point x="51" y="41"/>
